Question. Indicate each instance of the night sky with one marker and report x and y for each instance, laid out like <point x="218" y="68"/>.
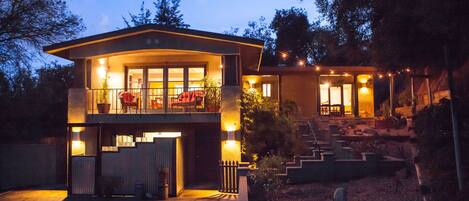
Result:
<point x="101" y="16"/>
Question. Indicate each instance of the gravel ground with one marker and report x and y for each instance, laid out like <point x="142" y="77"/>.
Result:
<point x="396" y="188"/>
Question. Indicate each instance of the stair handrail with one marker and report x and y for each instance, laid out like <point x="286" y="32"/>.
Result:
<point x="311" y="132"/>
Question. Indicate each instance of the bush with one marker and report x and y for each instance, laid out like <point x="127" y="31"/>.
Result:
<point x="264" y="182"/>
<point x="267" y="130"/>
<point x="436" y="150"/>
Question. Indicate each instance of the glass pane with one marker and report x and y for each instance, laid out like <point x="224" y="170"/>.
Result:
<point x="155" y="91"/>
<point x="347" y="98"/>
<point x="336" y="98"/>
<point x="266" y="90"/>
<point x="196" y="78"/>
<point x="135" y="78"/>
<point x="324" y="94"/>
<point x="175" y="82"/>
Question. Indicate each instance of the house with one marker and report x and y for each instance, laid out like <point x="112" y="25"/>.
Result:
<point x="153" y="103"/>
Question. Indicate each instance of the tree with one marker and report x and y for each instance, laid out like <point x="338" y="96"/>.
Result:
<point x="291" y="27"/>
<point x="424" y="34"/>
<point x="27" y="25"/>
<point x="261" y="30"/>
<point x="348" y="33"/>
<point x="167" y="14"/>
<point x="144" y="17"/>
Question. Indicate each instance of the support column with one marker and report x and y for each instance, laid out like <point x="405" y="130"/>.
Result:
<point x="429" y="90"/>
<point x="79" y="73"/>
<point x="230" y="110"/>
<point x="391" y="95"/>
<point x="412" y="92"/>
<point x="355" y="96"/>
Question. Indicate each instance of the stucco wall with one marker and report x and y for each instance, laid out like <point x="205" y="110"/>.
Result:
<point x="301" y="88"/>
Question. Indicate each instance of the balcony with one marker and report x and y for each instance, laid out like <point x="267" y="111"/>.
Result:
<point x="141" y="101"/>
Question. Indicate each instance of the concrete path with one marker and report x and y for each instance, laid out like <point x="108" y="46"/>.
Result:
<point x="61" y="195"/>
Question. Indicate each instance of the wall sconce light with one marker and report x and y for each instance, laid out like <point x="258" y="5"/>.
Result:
<point x="221" y="65"/>
<point x="231" y="134"/>
<point x="78" y="146"/>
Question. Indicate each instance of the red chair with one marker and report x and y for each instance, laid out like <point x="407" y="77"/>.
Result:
<point x="189" y="99"/>
<point x="128" y="100"/>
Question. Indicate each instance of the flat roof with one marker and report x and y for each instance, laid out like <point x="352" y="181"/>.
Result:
<point x="278" y="70"/>
<point x="152" y="28"/>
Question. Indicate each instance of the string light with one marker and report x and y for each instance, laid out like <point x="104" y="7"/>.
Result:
<point x="332" y="72"/>
<point x="301" y="63"/>
<point x="407" y="70"/>
<point x="346" y="74"/>
<point x="318" y="68"/>
<point x="284" y="55"/>
<point x="380" y="76"/>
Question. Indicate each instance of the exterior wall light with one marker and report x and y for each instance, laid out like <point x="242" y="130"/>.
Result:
<point x="78" y="146"/>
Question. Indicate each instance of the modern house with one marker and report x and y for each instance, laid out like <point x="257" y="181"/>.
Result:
<point x="151" y="98"/>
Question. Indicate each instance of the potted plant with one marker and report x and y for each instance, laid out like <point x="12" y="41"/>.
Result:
<point x="103" y="104"/>
<point x="212" y="95"/>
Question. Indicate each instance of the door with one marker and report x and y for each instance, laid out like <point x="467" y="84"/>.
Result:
<point x="335" y="100"/>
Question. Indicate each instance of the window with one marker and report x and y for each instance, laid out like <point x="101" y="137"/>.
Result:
<point x="266" y="90"/>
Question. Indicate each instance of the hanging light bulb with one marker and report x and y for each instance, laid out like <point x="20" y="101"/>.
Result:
<point x="301" y="62"/>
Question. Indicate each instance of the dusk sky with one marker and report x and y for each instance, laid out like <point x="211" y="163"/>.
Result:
<point x="101" y="16"/>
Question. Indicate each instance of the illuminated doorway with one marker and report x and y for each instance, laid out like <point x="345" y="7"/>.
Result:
<point x="335" y="100"/>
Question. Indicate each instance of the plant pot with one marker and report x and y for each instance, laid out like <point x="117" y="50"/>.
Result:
<point x="103" y="108"/>
<point x="213" y="108"/>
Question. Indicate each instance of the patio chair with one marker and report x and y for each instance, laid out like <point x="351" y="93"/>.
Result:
<point x="128" y="101"/>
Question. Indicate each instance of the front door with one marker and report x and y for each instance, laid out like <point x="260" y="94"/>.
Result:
<point x="335" y="100"/>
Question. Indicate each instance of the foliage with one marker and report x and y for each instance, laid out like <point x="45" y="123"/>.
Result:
<point x="167" y="14"/>
<point x="262" y="31"/>
<point x="27" y="25"/>
<point x="34" y="106"/>
<point x="267" y="130"/>
<point x="264" y="182"/>
<point x="291" y="27"/>
<point x="430" y="26"/>
<point x="104" y="91"/>
<point x="212" y="92"/>
<point x="436" y="153"/>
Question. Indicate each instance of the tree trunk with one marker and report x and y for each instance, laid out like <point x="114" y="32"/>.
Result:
<point x="454" y="122"/>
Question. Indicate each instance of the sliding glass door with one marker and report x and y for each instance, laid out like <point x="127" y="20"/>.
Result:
<point x="159" y="87"/>
<point x="336" y="99"/>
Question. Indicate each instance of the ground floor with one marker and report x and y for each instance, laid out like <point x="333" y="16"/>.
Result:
<point x="122" y="159"/>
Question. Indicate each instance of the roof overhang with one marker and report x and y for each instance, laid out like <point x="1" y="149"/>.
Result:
<point x="323" y="70"/>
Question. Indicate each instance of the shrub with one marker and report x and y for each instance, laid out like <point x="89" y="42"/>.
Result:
<point x="433" y="129"/>
<point x="264" y="182"/>
<point x="267" y="130"/>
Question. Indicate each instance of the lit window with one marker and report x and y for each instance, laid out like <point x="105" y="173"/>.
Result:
<point x="267" y="90"/>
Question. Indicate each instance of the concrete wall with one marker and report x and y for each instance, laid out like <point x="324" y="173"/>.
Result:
<point x="302" y="89"/>
<point x="23" y="165"/>
<point x="330" y="169"/>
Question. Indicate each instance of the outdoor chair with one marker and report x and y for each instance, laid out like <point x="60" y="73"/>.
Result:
<point x="128" y="101"/>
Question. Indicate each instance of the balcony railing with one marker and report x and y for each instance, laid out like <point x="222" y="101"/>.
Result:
<point x="153" y="100"/>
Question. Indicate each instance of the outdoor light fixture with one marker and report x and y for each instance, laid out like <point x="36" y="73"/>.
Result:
<point x="332" y="72"/>
<point x="346" y="74"/>
<point x="78" y="146"/>
<point x="301" y="63"/>
<point x="380" y="76"/>
<point x="231" y="134"/>
<point x="221" y="65"/>
<point x="317" y="68"/>
<point x="284" y="55"/>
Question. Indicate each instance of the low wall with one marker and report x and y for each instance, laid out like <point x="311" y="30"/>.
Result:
<point x="24" y="165"/>
<point x="330" y="169"/>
